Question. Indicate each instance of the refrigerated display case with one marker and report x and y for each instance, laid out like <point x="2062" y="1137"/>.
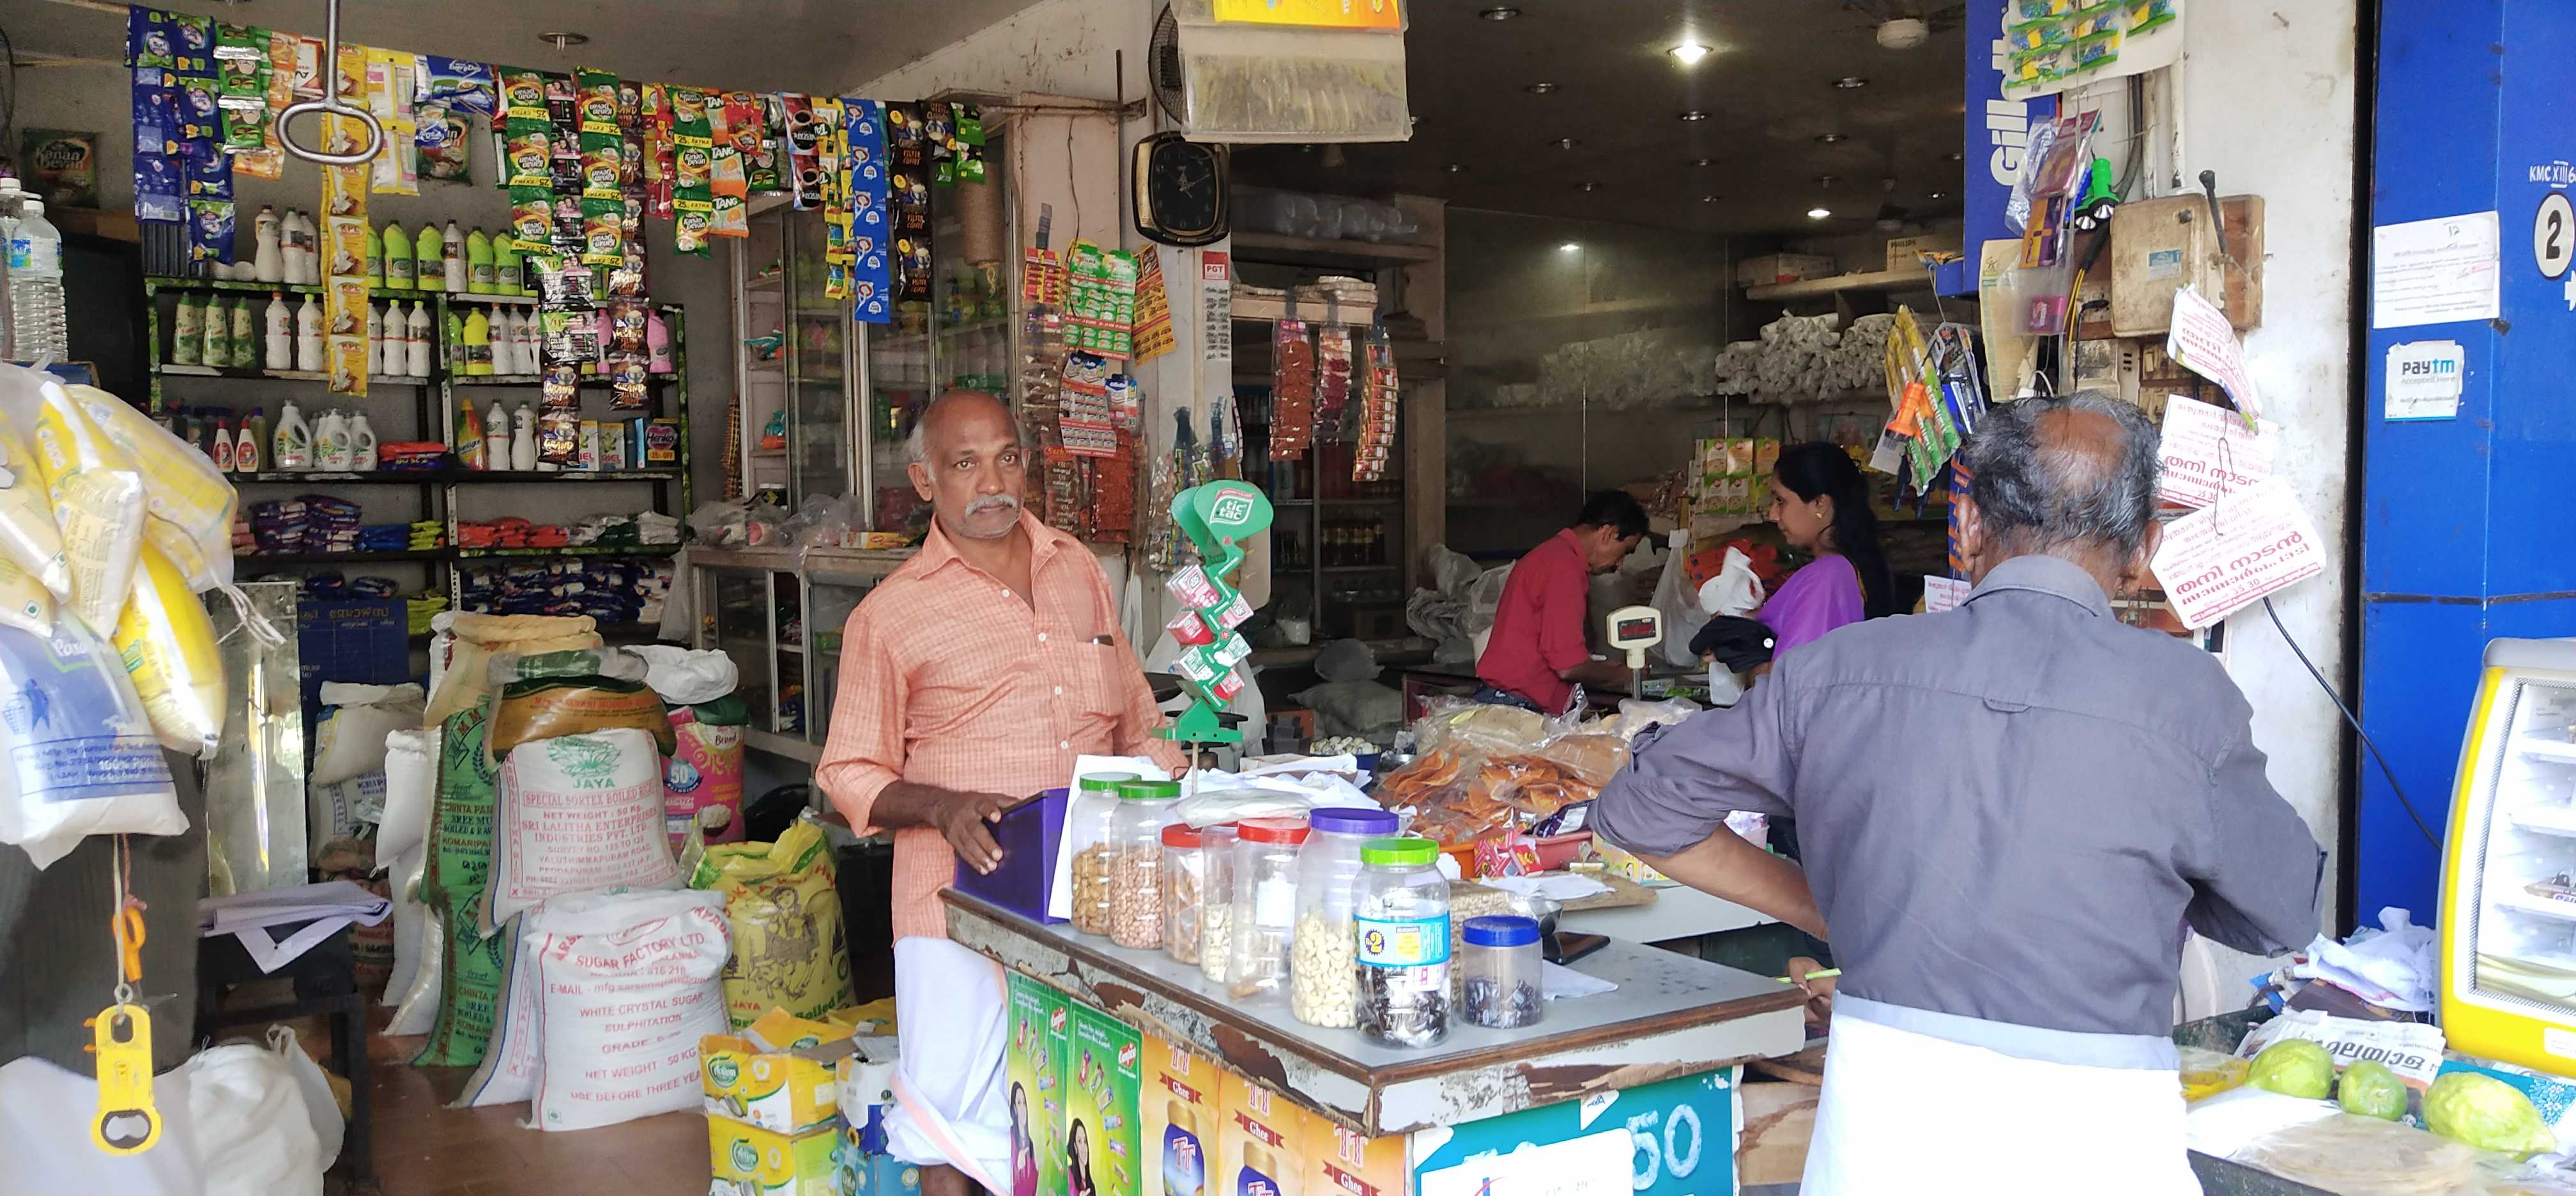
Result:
<point x="2509" y="875"/>
<point x="778" y="613"/>
<point x="795" y="364"/>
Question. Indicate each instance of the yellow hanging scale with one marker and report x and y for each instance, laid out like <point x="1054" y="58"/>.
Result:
<point x="121" y="1038"/>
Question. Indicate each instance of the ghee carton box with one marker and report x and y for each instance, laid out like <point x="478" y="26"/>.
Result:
<point x="1178" y="1105"/>
<point x="776" y="1075"/>
<point x="1104" y="1076"/>
<point x="1040" y="1032"/>
<point x="1342" y="1163"/>
<point x="1260" y="1141"/>
<point x="747" y="1158"/>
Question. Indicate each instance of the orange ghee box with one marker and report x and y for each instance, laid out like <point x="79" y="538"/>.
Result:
<point x="1261" y="1141"/>
<point x="1178" y="1103"/>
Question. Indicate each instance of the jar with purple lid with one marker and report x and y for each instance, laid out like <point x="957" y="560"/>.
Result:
<point x="1325" y="991"/>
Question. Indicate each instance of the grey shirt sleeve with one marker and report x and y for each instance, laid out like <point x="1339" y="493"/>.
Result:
<point x="1682" y="781"/>
<point x="2256" y="877"/>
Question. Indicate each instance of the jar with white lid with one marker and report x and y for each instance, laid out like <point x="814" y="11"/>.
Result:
<point x="1216" y="913"/>
<point x="1088" y="821"/>
<point x="1136" y="863"/>
<point x="1400" y="920"/>
<point x="1326" y="990"/>
<point x="1265" y="905"/>
<point x="1498" y="958"/>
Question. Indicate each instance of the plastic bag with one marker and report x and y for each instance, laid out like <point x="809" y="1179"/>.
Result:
<point x="557" y="707"/>
<point x="189" y="501"/>
<point x="784" y="912"/>
<point x="1637" y="714"/>
<point x="1680" y="606"/>
<point x="255" y="1137"/>
<point x="321" y="1106"/>
<point x="98" y="498"/>
<point x="25" y="603"/>
<point x="629" y="986"/>
<point x="169" y="646"/>
<point x="686" y="676"/>
<point x="81" y="759"/>
<point x="27" y="536"/>
<point x="351" y="741"/>
<point x="577" y="814"/>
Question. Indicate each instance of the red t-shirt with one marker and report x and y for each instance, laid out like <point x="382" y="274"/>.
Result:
<point x="1538" y="627"/>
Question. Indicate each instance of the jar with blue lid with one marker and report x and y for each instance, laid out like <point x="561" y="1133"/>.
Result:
<point x="1498" y="966"/>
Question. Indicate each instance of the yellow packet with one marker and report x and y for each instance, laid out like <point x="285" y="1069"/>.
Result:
<point x="97" y="492"/>
<point x="24" y="603"/>
<point x="27" y="536"/>
<point x="188" y="499"/>
<point x="169" y="648"/>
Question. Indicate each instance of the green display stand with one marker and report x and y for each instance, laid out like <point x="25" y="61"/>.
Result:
<point x="1218" y="518"/>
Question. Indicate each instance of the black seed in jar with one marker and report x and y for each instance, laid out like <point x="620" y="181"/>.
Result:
<point x="1491" y="1003"/>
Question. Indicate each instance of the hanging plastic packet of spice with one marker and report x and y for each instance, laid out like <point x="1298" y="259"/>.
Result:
<point x="392" y="79"/>
<point x="1292" y="391"/>
<point x="1333" y="379"/>
<point x="692" y="154"/>
<point x="241" y="72"/>
<point x="343" y="253"/>
<point x="870" y="271"/>
<point x="796" y="125"/>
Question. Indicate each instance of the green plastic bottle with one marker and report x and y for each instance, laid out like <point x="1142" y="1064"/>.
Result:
<point x="480" y="270"/>
<point x="398" y="259"/>
<point x="431" y="259"/>
<point x="375" y="258"/>
<point x="456" y="362"/>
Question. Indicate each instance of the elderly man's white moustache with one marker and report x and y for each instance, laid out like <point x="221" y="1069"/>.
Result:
<point x="993" y="502"/>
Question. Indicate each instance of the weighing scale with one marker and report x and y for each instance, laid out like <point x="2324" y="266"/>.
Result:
<point x="1633" y="629"/>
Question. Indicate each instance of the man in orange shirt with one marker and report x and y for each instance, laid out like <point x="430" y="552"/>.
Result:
<point x="970" y="678"/>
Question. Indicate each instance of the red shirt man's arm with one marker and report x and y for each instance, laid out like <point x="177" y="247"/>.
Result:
<point x="864" y="750"/>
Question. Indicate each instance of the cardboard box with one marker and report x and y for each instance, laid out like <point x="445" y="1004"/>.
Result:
<point x="1342" y="1163"/>
<point x="1103" y="1078"/>
<point x="1039" y="1030"/>
<point x="1906" y="253"/>
<point x="777" y="1074"/>
<point x="771" y="1164"/>
<point x="864" y="1174"/>
<point x="1178" y="1105"/>
<point x="1773" y="268"/>
<point x="1261" y="1144"/>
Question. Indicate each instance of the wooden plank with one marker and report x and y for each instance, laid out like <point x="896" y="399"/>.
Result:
<point x="1817" y="288"/>
<point x="1779" y="1121"/>
<point x="1673" y="1016"/>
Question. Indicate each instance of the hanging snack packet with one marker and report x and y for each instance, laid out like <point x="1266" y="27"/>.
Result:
<point x="603" y="156"/>
<point x="795" y="121"/>
<point x="241" y="71"/>
<point x="730" y="190"/>
<point x="692" y="190"/>
<point x="168" y="645"/>
<point x="77" y="756"/>
<point x="464" y="86"/>
<point x="441" y="142"/>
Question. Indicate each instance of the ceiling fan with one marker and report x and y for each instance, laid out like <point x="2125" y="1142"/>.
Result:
<point x="1905" y="24"/>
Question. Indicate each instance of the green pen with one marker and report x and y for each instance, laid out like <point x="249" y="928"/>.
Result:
<point x="1827" y="974"/>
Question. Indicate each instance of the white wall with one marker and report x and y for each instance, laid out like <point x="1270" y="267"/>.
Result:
<point x="2266" y="94"/>
<point x="1062" y="46"/>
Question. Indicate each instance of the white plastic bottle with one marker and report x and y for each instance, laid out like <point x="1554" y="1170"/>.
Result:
<point x="496" y="437"/>
<point x="294" y="440"/>
<point x="417" y="341"/>
<point x="308" y="248"/>
<point x="222" y="447"/>
<point x="331" y="441"/>
<point x="36" y="322"/>
<point x="523" y="439"/>
<point x="278" y="334"/>
<point x="362" y="444"/>
<point x="250" y="447"/>
<point x="451" y="252"/>
<point x="505" y="345"/>
<point x="308" y="338"/>
<point x="268" y="261"/>
<point x="188" y="329"/>
<point x="375" y="341"/>
<point x="245" y="338"/>
<point x="531" y="343"/>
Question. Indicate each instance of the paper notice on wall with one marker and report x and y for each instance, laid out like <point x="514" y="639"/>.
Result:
<point x="2223" y="557"/>
<point x="1944" y="593"/>
<point x="1216" y="307"/>
<point x="2207" y="453"/>
<point x="2205" y="343"/>
<point x="2434" y="271"/>
<point x="2424" y="379"/>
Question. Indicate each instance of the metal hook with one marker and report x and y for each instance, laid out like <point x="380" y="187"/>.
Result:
<point x="330" y="104"/>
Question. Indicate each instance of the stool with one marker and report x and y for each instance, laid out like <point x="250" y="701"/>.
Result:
<point x="325" y="983"/>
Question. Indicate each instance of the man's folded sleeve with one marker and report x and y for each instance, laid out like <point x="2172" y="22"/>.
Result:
<point x="1682" y="781"/>
<point x="2258" y="873"/>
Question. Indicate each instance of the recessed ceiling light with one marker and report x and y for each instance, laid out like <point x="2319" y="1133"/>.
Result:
<point x="1708" y="199"/>
<point x="1824" y="180"/>
<point x="1688" y="53"/>
<point x="564" y="41"/>
<point x="1500" y="12"/>
<point x="1936" y="195"/>
<point x="1569" y="247"/>
<point x="1455" y="168"/>
<point x="1954" y="156"/>
<point x="1829" y="138"/>
<point x="1851" y="83"/>
<point x="1540" y="89"/>
<point x="1703" y="161"/>
<point x="1817" y="213"/>
<point x="1694" y="114"/>
<point x="1587" y="185"/>
<point x="1565" y="143"/>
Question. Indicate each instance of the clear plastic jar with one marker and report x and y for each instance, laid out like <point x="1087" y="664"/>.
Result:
<point x="1401" y="940"/>
<point x="1136" y="861"/>
<point x="1088" y="821"/>
<point x="1216" y="913"/>
<point x="1265" y="904"/>
<point x="1498" y="967"/>
<point x="1325" y="990"/>
<point x="1184" y="890"/>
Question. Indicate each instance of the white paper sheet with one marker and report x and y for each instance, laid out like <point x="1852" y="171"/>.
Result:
<point x="2425" y="378"/>
<point x="2435" y="271"/>
<point x="2209" y="453"/>
<point x="1060" y="895"/>
<point x="2223" y="557"/>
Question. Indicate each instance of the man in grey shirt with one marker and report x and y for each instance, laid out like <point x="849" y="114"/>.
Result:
<point x="2008" y="814"/>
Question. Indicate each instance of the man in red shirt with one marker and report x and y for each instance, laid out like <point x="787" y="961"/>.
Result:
<point x="1538" y="652"/>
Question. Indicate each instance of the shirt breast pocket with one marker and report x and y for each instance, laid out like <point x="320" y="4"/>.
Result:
<point x="1098" y="676"/>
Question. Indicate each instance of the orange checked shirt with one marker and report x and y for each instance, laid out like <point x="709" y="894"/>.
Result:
<point x="948" y="679"/>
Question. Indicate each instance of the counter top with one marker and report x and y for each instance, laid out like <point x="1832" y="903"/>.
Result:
<point x="1672" y="1015"/>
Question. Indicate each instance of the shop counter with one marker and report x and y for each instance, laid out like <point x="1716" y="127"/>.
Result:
<point x="1673" y="1016"/>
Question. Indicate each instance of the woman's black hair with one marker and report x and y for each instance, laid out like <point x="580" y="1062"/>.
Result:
<point x="1815" y="468"/>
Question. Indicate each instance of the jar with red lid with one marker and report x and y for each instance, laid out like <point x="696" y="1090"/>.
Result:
<point x="1185" y="879"/>
<point x="1265" y="905"/>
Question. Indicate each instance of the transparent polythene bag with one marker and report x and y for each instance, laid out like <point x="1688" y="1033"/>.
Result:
<point x="95" y="486"/>
<point x="80" y="757"/>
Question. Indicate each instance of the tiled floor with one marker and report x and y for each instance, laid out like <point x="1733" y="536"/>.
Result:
<point x="426" y="1149"/>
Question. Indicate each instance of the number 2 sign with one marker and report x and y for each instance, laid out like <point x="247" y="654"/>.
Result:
<point x="2553" y="235"/>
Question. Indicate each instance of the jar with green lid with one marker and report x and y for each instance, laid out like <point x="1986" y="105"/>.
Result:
<point x="1400" y="919"/>
<point x="1088" y="823"/>
<point x="1136" y="861"/>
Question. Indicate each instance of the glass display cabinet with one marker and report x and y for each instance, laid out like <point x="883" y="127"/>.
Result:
<point x="778" y="613"/>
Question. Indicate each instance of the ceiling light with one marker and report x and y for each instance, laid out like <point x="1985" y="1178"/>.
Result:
<point x="564" y="41"/>
<point x="1903" y="33"/>
<point x="1565" y="143"/>
<point x="1688" y="53"/>
<point x="1851" y="83"/>
<point x="1694" y="114"/>
<point x="1569" y="247"/>
<point x="1824" y="180"/>
<point x="1500" y="12"/>
<point x="1954" y="155"/>
<point x="1708" y="199"/>
<point x="1817" y="213"/>
<point x="1936" y="195"/>
<point x="1828" y="138"/>
<point x="1455" y="168"/>
<point x="1540" y="89"/>
<point x="1587" y="186"/>
<point x="1703" y="161"/>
